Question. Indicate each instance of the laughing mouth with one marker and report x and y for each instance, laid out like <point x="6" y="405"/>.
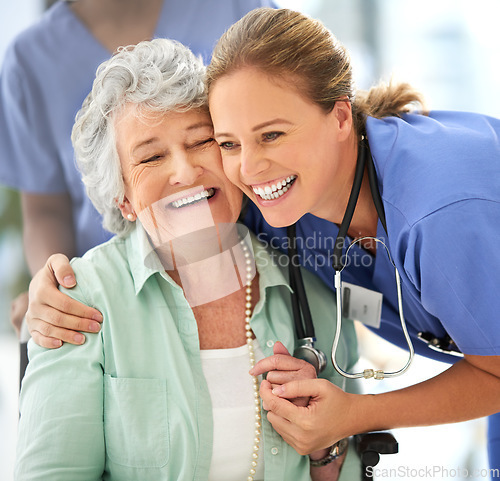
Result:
<point x="193" y="199"/>
<point x="276" y="190"/>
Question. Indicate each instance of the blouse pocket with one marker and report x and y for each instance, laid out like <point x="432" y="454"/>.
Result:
<point x="136" y="422"/>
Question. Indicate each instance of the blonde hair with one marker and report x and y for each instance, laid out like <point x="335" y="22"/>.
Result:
<point x="283" y="42"/>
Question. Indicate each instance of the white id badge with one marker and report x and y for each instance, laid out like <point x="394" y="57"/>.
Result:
<point x="361" y="304"/>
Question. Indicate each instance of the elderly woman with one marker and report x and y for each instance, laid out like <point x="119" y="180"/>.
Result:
<point x="164" y="390"/>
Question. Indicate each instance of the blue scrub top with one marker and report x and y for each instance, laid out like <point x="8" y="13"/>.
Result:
<point x="439" y="177"/>
<point x="47" y="72"/>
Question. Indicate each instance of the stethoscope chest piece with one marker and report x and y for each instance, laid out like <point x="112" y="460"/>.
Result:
<point x="306" y="351"/>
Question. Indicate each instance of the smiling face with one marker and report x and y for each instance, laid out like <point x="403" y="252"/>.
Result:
<point x="172" y="171"/>
<point x="284" y="151"/>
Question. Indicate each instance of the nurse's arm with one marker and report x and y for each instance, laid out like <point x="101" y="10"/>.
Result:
<point x="47" y="228"/>
<point x="467" y="390"/>
<point x="53" y="317"/>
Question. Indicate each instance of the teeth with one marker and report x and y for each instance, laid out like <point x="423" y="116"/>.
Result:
<point x="270" y="192"/>
<point x="206" y="194"/>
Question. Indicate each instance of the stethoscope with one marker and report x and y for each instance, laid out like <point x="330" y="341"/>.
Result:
<point x="302" y="317"/>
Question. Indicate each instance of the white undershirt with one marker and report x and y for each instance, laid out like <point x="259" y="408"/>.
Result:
<point x="231" y="391"/>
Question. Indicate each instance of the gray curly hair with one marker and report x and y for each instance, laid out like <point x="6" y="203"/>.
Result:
<point x="158" y="75"/>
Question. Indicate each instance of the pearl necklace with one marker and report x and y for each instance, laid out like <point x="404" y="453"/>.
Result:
<point x="251" y="353"/>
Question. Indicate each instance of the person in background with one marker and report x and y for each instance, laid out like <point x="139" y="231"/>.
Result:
<point x="47" y="72"/>
<point x="190" y="302"/>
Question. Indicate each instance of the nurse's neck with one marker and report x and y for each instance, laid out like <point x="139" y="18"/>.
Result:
<point x="365" y="218"/>
<point x="116" y="23"/>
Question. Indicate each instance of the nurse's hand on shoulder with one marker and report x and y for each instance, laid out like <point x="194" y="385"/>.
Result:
<point x="53" y="317"/>
<point x="315" y="426"/>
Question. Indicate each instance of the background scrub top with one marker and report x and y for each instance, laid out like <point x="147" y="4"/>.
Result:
<point x="439" y="177"/>
<point x="48" y="71"/>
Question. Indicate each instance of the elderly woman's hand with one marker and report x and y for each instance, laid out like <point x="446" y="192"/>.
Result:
<point x="54" y="317"/>
<point x="282" y="368"/>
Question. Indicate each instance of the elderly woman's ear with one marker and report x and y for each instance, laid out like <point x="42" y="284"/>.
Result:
<point x="126" y="209"/>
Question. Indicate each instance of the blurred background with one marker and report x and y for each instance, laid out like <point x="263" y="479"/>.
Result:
<point x="448" y="49"/>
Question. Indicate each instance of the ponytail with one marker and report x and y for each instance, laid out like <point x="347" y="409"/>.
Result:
<point x="385" y="100"/>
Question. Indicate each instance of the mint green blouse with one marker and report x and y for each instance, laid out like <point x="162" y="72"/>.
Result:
<point x="132" y="402"/>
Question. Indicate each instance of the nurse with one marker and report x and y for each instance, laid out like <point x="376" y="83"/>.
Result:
<point x="290" y="126"/>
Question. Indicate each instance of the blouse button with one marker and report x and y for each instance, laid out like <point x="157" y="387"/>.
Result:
<point x="274" y="451"/>
<point x="270" y="343"/>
